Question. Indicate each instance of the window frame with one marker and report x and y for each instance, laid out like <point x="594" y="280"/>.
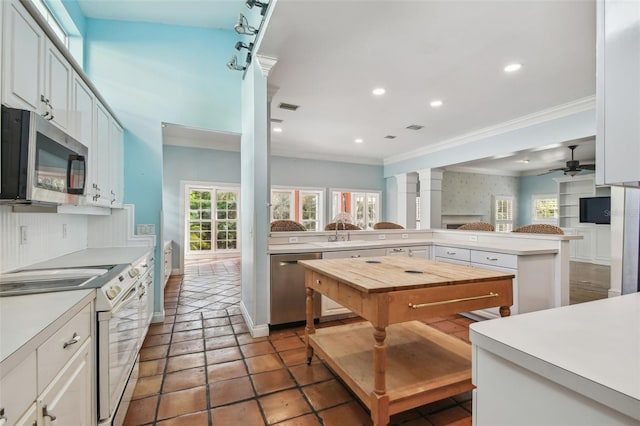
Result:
<point x="499" y="223"/>
<point x="353" y="194"/>
<point x="296" y="208"/>
<point x="213" y="188"/>
<point x="534" y="210"/>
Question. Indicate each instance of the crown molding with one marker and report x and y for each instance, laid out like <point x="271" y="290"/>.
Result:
<point x="266" y="63"/>
<point x="481" y="171"/>
<point x="559" y="111"/>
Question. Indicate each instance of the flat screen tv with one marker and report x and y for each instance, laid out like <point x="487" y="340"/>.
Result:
<point x="595" y="210"/>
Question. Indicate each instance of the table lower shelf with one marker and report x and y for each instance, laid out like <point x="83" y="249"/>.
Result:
<point x="423" y="364"/>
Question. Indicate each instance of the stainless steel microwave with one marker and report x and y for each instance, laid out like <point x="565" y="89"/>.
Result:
<point x="39" y="162"/>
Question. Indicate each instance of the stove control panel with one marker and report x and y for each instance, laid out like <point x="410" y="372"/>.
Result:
<point x="113" y="291"/>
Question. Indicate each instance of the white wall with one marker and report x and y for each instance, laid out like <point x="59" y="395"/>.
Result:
<point x="44" y="237"/>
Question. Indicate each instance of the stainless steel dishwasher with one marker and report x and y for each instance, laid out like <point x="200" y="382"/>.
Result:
<point x="288" y="294"/>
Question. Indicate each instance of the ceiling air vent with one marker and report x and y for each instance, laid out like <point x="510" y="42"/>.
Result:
<point x="289" y="107"/>
<point x="276" y="120"/>
<point x="415" y="127"/>
<point x="389" y="137"/>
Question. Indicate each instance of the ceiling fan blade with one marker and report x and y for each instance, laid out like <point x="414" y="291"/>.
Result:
<point x="559" y="169"/>
<point x="587" y="166"/>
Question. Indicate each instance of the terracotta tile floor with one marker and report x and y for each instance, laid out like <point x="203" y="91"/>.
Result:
<point x="201" y="367"/>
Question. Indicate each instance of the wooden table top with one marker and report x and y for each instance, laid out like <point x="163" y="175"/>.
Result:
<point x="395" y="273"/>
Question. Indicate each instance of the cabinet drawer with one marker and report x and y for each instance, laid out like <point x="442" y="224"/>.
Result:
<point x="453" y="253"/>
<point x="18" y="388"/>
<point x="59" y="348"/>
<point x="497" y="259"/>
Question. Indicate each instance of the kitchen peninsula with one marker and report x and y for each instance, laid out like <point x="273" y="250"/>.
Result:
<point x="539" y="262"/>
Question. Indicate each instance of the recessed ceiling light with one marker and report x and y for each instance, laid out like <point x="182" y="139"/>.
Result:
<point x="436" y="103"/>
<point x="277" y="129"/>
<point x="512" y="67"/>
<point x="358" y="140"/>
<point x="378" y="91"/>
<point x="523" y="161"/>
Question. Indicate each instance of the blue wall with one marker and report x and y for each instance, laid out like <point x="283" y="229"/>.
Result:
<point x="153" y="73"/>
<point x="209" y="165"/>
<point x="529" y="186"/>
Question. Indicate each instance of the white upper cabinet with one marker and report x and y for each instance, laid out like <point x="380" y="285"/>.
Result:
<point x="82" y="111"/>
<point x="618" y="92"/>
<point x="23" y="53"/>
<point x="99" y="160"/>
<point x="58" y="88"/>
<point x="116" y="164"/>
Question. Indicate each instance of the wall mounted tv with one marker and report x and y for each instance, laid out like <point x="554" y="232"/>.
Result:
<point x="595" y="210"/>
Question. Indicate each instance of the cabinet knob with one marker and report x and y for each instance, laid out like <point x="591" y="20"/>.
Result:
<point x="318" y="282"/>
<point x="494" y="259"/>
<point x="75" y="339"/>
<point x="451" y="252"/>
<point x="355" y="256"/>
<point x="46" y="413"/>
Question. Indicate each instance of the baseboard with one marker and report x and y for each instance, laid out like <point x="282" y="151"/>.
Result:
<point x="614" y="293"/>
<point x="261" y="330"/>
<point x="158" y="317"/>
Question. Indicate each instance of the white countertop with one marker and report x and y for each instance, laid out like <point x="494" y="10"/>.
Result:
<point x="94" y="256"/>
<point x="509" y="247"/>
<point x="591" y="348"/>
<point x="23" y="318"/>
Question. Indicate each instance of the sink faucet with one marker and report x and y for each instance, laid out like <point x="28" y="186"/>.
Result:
<point x="335" y="237"/>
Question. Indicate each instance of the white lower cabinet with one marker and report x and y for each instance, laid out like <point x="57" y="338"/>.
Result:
<point x="54" y="384"/>
<point x="533" y="288"/>
<point x="30" y="418"/>
<point x="328" y="306"/>
<point x="412" y="251"/>
<point x="68" y="398"/>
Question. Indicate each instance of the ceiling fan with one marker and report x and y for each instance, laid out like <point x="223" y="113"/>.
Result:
<point x="573" y="167"/>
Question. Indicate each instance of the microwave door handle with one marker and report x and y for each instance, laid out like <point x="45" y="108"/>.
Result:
<point x="71" y="189"/>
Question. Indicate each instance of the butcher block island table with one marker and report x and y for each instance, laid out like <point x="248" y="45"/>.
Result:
<point x="396" y="362"/>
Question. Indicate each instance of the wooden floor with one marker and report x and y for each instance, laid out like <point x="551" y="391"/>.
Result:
<point x="588" y="282"/>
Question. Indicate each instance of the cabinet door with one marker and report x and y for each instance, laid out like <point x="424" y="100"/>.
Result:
<point x="30" y="418"/>
<point x="58" y="80"/>
<point x="116" y="164"/>
<point x="100" y="160"/>
<point x="490" y="313"/>
<point x="618" y="92"/>
<point x="583" y="249"/>
<point x="23" y="59"/>
<point x="18" y="389"/>
<point x="68" y="399"/>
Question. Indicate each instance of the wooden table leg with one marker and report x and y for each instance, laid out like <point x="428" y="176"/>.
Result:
<point x="505" y="311"/>
<point x="310" y="328"/>
<point x="380" y="398"/>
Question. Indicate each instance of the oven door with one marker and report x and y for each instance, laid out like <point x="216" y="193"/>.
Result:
<point x="118" y="344"/>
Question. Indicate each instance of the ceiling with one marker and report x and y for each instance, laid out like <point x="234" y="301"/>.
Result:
<point x="331" y="54"/>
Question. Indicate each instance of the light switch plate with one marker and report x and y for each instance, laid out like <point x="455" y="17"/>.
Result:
<point x="382" y="237"/>
<point x="293" y="239"/>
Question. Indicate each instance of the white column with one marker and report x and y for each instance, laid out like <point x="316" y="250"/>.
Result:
<point x="430" y="198"/>
<point x="406" y="185"/>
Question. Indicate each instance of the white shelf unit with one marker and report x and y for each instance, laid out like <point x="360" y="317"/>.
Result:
<point x="595" y="245"/>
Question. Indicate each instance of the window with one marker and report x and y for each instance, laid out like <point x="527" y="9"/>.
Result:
<point x="301" y="205"/>
<point x="226" y="220"/>
<point x="212" y="219"/>
<point x="281" y="205"/>
<point x="503" y="213"/>
<point x="545" y="208"/>
<point x="364" y="207"/>
<point x="48" y="16"/>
